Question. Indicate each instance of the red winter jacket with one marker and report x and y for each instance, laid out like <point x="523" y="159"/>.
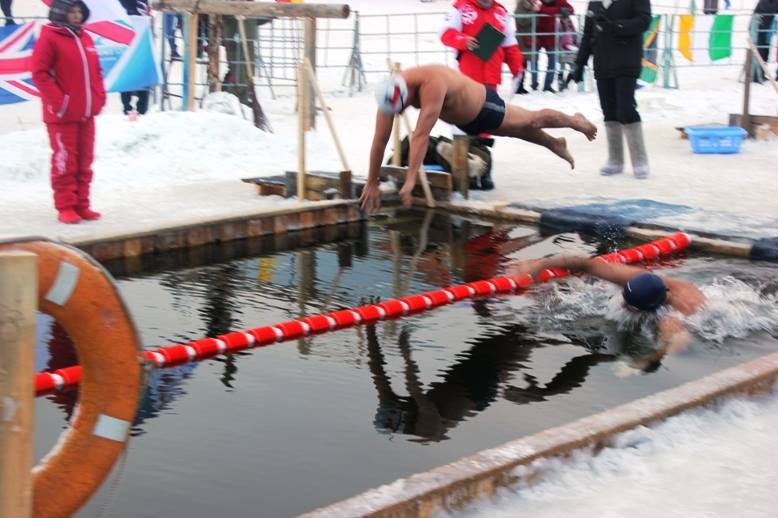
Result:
<point x="466" y="18"/>
<point x="66" y="70"/>
<point x="547" y="22"/>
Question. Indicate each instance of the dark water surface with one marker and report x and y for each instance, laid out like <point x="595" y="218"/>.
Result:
<point x="281" y="430"/>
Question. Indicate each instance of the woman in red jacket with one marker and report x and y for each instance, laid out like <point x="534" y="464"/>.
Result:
<point x="66" y="70"/>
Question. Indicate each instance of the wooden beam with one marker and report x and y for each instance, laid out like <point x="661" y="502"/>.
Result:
<point x="272" y="9"/>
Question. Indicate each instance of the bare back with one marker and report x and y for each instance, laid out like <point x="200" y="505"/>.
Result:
<point x="462" y="98"/>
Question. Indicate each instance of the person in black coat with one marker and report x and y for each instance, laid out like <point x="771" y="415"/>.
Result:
<point x="613" y="34"/>
<point x="764" y="14"/>
<point x="136" y="8"/>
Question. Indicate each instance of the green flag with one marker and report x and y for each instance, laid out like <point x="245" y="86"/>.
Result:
<point x="720" y="41"/>
<point x="650" y="54"/>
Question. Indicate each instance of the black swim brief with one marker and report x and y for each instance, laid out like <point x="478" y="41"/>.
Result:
<point x="489" y="118"/>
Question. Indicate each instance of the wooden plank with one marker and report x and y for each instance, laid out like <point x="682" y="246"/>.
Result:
<point x="318" y="182"/>
<point x="278" y="10"/>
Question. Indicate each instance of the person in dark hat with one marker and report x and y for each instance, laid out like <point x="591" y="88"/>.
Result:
<point x="642" y="292"/>
<point x="66" y="71"/>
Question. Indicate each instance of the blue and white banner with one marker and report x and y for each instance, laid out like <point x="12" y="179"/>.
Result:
<point x="129" y="62"/>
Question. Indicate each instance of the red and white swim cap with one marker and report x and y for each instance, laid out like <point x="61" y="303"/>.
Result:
<point x="391" y="94"/>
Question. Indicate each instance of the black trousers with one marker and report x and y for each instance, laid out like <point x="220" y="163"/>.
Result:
<point x="143" y="101"/>
<point x="617" y="99"/>
<point x="5" y="5"/>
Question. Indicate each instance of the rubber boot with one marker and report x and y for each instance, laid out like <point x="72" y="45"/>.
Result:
<point x="615" y="164"/>
<point x="637" y="149"/>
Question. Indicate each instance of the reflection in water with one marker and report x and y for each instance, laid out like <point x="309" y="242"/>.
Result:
<point x="472" y="383"/>
<point x="218" y="312"/>
<point x="62" y="354"/>
<point x="163" y="387"/>
<point x="468" y="386"/>
<point x="434" y="253"/>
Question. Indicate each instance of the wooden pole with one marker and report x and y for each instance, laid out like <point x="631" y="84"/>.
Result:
<point x="301" y="107"/>
<point x="745" y="120"/>
<point x="326" y="110"/>
<point x="271" y="9"/>
<point x="18" y="303"/>
<point x="762" y="64"/>
<point x="309" y="53"/>
<point x="215" y="27"/>
<point x="192" y="61"/>
<point x="260" y="121"/>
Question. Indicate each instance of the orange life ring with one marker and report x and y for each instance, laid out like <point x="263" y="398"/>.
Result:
<point x="82" y="297"/>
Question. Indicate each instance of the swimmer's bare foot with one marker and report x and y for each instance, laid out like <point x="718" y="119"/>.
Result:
<point x="583" y="125"/>
<point x="559" y="148"/>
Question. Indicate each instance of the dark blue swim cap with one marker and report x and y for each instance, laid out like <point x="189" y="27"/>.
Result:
<point x="645" y="291"/>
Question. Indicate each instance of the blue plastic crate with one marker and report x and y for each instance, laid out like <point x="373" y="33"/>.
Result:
<point x="724" y="139"/>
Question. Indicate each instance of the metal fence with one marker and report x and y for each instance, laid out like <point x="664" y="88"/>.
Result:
<point x="359" y="47"/>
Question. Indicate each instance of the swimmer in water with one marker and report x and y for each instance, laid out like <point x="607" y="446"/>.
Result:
<point x="642" y="291"/>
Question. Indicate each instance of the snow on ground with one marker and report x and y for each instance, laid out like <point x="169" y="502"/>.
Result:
<point x="172" y="168"/>
<point x="701" y="463"/>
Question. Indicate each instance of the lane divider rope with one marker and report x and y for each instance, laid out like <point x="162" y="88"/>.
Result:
<point x="46" y="382"/>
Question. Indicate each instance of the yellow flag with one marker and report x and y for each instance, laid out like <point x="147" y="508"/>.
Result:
<point x="685" y="36"/>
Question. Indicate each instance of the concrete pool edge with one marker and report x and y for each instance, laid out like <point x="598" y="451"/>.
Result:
<point x="468" y="479"/>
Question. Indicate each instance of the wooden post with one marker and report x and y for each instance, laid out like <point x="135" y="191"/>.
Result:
<point x="192" y="61"/>
<point x="460" y="167"/>
<point x="260" y="121"/>
<point x="345" y="185"/>
<point x="745" y="120"/>
<point x="215" y="28"/>
<point x="301" y="108"/>
<point x="18" y="303"/>
<point x="309" y="54"/>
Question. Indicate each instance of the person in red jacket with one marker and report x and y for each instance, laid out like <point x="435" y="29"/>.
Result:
<point x="66" y="70"/>
<point x="463" y="23"/>
<point x="550" y="11"/>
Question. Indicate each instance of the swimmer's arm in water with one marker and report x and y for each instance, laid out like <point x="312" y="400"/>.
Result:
<point x="617" y="273"/>
<point x="371" y="194"/>
<point x="672" y="335"/>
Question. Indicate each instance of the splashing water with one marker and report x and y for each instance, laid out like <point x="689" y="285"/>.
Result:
<point x="734" y="309"/>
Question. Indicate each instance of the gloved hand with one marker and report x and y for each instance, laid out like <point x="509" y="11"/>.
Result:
<point x="577" y="74"/>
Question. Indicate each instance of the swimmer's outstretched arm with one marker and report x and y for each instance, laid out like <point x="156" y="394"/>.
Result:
<point x="616" y="273"/>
